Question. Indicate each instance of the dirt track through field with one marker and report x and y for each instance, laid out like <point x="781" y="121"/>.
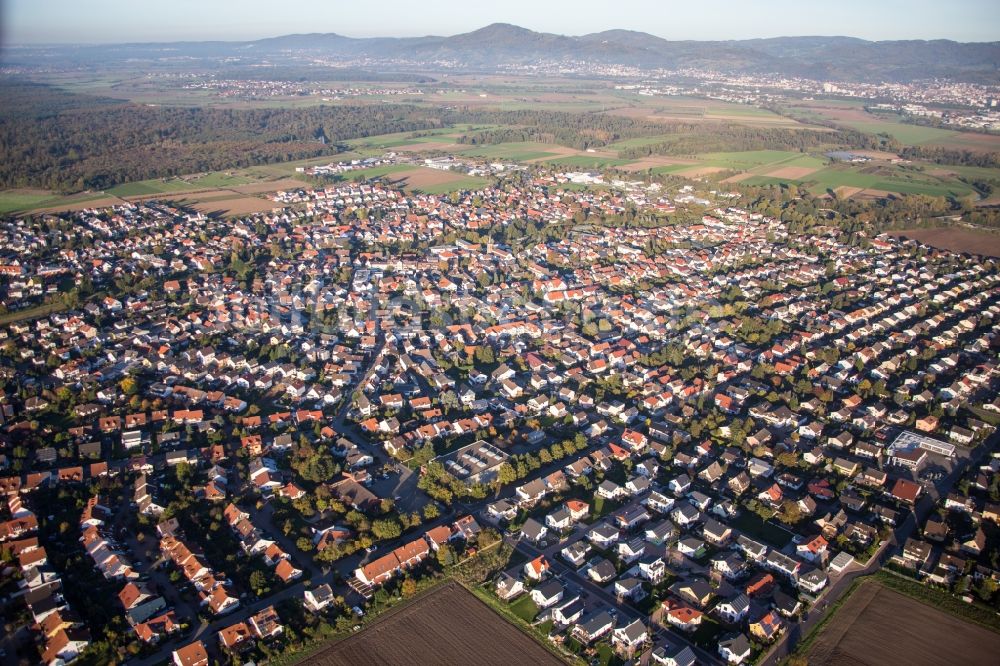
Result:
<point x="448" y="627"/>
<point x="880" y="627"/>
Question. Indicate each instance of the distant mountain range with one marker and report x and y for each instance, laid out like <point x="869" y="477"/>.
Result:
<point x="821" y="58"/>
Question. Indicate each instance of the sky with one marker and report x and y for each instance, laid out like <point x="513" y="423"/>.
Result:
<point x="116" y="21"/>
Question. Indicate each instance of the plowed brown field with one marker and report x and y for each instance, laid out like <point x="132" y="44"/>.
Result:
<point x="447" y="627"/>
<point x="880" y="627"/>
<point x="956" y="240"/>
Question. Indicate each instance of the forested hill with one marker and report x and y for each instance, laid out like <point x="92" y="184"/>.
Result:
<point x="823" y="58"/>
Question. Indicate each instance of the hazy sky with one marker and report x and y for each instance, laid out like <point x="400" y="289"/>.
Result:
<point x="109" y="21"/>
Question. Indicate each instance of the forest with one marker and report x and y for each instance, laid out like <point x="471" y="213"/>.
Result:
<point x="692" y="139"/>
<point x="940" y="155"/>
<point x="68" y="142"/>
<point x="575" y="130"/>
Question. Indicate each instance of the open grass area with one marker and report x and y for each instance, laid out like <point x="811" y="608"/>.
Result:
<point x="31" y="313"/>
<point x="142" y="188"/>
<point x="23" y="200"/>
<point x="749" y="159"/>
<point x="816" y="172"/>
<point x="524" y="608"/>
<point x="387" y="141"/>
<point x="519" y="152"/>
<point x="909" y="134"/>
<point x="697" y="109"/>
<point x="848" y="113"/>
<point x="219" y="179"/>
<point x="707" y="634"/>
<point x="884" y="178"/>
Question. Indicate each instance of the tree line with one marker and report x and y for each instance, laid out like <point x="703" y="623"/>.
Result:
<point x="574" y="130"/>
<point x="690" y="139"/>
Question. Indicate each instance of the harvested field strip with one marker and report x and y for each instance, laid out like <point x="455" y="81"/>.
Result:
<point x="658" y="162"/>
<point x="797" y="172"/>
<point x="695" y="172"/>
<point x="447" y="626"/>
<point x="233" y="206"/>
<point x="435" y="181"/>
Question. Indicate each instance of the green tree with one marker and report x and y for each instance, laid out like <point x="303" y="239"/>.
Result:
<point x="386" y="528"/>
<point x="446" y="555"/>
<point x="506" y="474"/>
<point x="258" y="582"/>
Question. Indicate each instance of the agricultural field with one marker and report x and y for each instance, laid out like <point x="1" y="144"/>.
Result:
<point x="438" y="181"/>
<point x="224" y="203"/>
<point x="231" y="187"/>
<point x="955" y="239"/>
<point x="865" y="178"/>
<point x="751" y="159"/>
<point x="693" y="109"/>
<point x="153" y="187"/>
<point x="21" y="200"/>
<point x="382" y="142"/>
<point x="877" y="625"/>
<point x="423" y="179"/>
<point x="145" y="188"/>
<point x="853" y="115"/>
<point x="820" y="175"/>
<point x="378" y="171"/>
<point x="771" y="163"/>
<point x="218" y="179"/>
<point x="518" y="152"/>
<point x="587" y="161"/>
<point x="447" y="626"/>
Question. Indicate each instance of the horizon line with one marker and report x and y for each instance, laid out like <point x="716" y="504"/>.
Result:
<point x="457" y="34"/>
